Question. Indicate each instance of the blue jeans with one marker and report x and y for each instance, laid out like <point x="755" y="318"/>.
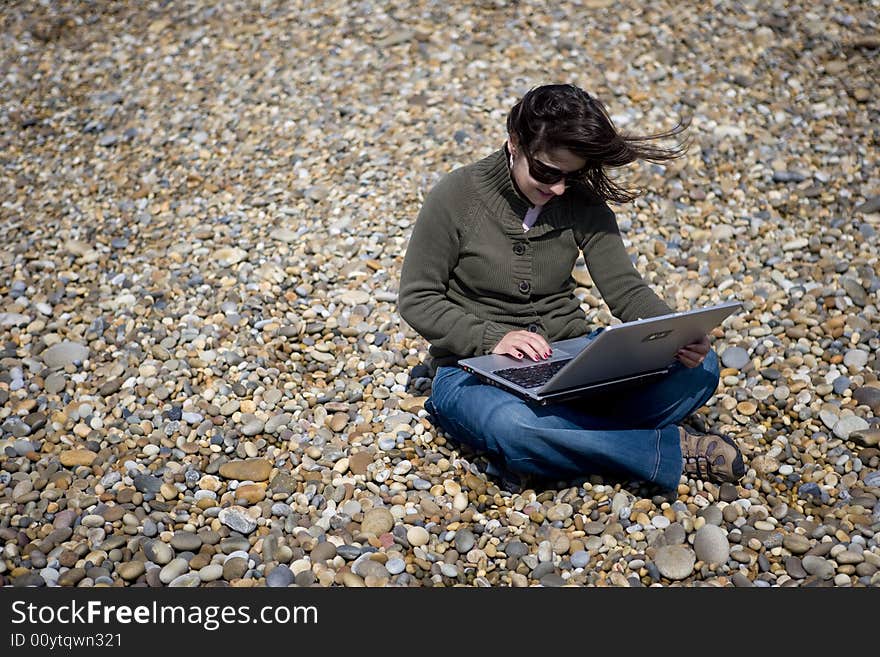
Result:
<point x="632" y="432"/>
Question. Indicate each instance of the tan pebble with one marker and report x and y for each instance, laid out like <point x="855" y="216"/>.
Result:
<point x="475" y="555"/>
<point x="250" y="469"/>
<point x="451" y="487"/>
<point x="252" y="493"/>
<point x="75" y="457"/>
<point x="338" y="421"/>
<point x="131" y="570"/>
<point x="93" y="520"/>
<point x="475" y="483"/>
<point x="519" y="580"/>
<point x="168" y="491"/>
<point x="764" y="464"/>
<point x="351" y="580"/>
<point x="377" y="521"/>
<point x="642" y="505"/>
<point x="747" y="407"/>
<point x="209" y="482"/>
<point x="417" y="536"/>
<point x="371" y="581"/>
<point x="866" y="437"/>
<point x="728" y="403"/>
<point x="412" y="403"/>
<point x="359" y="461"/>
<point x="97" y="557"/>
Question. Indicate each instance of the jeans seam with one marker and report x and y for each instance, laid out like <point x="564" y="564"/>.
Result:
<point x="657" y="463"/>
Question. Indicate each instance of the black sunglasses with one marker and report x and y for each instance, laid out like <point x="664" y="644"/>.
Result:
<point x="547" y="175"/>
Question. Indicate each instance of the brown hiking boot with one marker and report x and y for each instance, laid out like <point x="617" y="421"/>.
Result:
<point x="710" y="457"/>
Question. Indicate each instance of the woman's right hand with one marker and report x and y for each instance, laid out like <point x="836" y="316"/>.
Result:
<point x="523" y="343"/>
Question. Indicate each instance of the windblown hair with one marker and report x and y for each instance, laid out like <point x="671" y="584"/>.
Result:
<point x="565" y="116"/>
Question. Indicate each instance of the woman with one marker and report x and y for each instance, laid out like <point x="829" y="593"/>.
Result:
<point x="488" y="270"/>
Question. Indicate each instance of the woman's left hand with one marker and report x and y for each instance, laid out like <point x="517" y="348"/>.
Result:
<point x="693" y="355"/>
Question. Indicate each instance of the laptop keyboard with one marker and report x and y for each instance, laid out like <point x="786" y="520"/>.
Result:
<point x="532" y="376"/>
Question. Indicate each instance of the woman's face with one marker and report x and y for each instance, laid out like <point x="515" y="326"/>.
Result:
<point x="539" y="193"/>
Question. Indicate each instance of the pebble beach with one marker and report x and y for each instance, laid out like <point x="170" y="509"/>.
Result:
<point x="204" y="208"/>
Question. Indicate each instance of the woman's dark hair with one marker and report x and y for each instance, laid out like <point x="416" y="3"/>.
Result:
<point x="565" y="116"/>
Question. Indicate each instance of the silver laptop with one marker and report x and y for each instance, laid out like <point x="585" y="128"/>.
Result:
<point x="617" y="356"/>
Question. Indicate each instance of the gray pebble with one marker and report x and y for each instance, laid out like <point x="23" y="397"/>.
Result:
<point x="148" y="527"/>
<point x="544" y="568"/>
<point x="464" y="541"/>
<point x="735" y="357"/>
<point x="840" y="385"/>
<point x="186" y="541"/>
<point x="348" y="552"/>
<point x="794" y="567"/>
<point x="821" y="568"/>
<point x="366" y="567"/>
<point x="186" y="580"/>
<point x="580" y="559"/>
<point x="675" y="561"/>
<point x="796" y="543"/>
<point x="395" y="565"/>
<point x="711" y="544"/>
<point x="236" y="519"/>
<point x="65" y="353"/>
<point x="712" y="514"/>
<point x="849" y="424"/>
<point x="740" y="580"/>
<point x="175" y="568"/>
<point x="675" y="534"/>
<point x="553" y="580"/>
<point x="158" y="552"/>
<point x="211" y="572"/>
<point x="147" y="483"/>
<point x="386" y="444"/>
<point x="728" y="492"/>
<point x="449" y="570"/>
<point x="22" y="447"/>
<point x="280" y="576"/>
